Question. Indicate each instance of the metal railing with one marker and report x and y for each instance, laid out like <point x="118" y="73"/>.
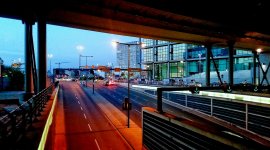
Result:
<point x="249" y="115"/>
<point x="16" y="122"/>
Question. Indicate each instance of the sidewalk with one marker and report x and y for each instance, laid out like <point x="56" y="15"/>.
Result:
<point x="132" y="135"/>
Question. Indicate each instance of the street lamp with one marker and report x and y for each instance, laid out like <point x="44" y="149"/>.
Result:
<point x="259" y="50"/>
<point x="127" y="104"/>
<point x="85" y="60"/>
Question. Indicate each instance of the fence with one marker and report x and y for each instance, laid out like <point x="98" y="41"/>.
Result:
<point x="251" y="116"/>
<point x="18" y="120"/>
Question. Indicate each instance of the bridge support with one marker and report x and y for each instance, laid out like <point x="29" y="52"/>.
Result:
<point x="207" y="71"/>
<point x="42" y="53"/>
<point x="28" y="72"/>
<point x="254" y="67"/>
<point x="231" y="61"/>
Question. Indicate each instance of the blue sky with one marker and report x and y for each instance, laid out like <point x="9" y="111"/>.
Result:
<point x="62" y="43"/>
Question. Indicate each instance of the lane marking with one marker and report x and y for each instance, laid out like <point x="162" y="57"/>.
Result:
<point x="137" y="111"/>
<point x="84" y="115"/>
<point x="77" y="97"/>
<point x="89" y="127"/>
<point x="79" y="102"/>
<point x="81" y="108"/>
<point x="97" y="144"/>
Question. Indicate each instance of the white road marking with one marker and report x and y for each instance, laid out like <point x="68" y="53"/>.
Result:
<point x="89" y="127"/>
<point x="97" y="144"/>
<point x="81" y="108"/>
<point x="77" y="97"/>
<point x="137" y="111"/>
<point x="79" y="102"/>
<point x="84" y="115"/>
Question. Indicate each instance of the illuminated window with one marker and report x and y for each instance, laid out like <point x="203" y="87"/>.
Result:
<point x="147" y="55"/>
<point x="162" y="53"/>
<point x="147" y="42"/>
<point x="178" y="51"/>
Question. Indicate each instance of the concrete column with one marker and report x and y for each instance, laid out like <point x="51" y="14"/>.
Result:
<point x="231" y="61"/>
<point x="207" y="58"/>
<point x="42" y="54"/>
<point x="254" y="67"/>
<point x="28" y="73"/>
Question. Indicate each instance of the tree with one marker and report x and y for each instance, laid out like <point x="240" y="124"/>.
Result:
<point x="16" y="78"/>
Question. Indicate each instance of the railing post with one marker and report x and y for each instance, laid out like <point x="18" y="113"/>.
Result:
<point x="246" y="116"/>
<point x="159" y="100"/>
<point x="13" y="124"/>
<point x="30" y="112"/>
<point x="211" y="107"/>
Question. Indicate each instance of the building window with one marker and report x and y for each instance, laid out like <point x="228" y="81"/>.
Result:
<point x="178" y="51"/>
<point x="162" y="53"/>
<point x="147" y="55"/>
<point x="147" y="42"/>
<point x="159" y="42"/>
<point x="177" y="69"/>
<point x="161" y="71"/>
<point x="243" y="52"/>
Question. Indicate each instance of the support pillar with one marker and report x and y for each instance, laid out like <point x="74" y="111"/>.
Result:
<point x="254" y="67"/>
<point x="42" y="53"/>
<point x="231" y="61"/>
<point x="28" y="73"/>
<point x="207" y="71"/>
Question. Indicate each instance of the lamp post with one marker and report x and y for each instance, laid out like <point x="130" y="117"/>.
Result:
<point x="259" y="70"/>
<point x="127" y="104"/>
<point x="85" y="60"/>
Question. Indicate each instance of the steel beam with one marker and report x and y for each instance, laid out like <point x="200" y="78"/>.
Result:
<point x="231" y="61"/>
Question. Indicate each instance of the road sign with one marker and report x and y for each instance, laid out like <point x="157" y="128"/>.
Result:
<point x="117" y="69"/>
<point x="134" y="69"/>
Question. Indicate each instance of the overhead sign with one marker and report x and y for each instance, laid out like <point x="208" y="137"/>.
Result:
<point x="103" y="68"/>
<point x="117" y="69"/>
<point x="134" y="69"/>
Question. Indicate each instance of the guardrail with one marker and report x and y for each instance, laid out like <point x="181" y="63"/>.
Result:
<point x="249" y="115"/>
<point x="18" y="120"/>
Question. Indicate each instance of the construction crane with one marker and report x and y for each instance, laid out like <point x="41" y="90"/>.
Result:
<point x="59" y="63"/>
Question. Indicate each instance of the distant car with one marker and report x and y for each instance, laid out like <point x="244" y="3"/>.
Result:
<point x="108" y="82"/>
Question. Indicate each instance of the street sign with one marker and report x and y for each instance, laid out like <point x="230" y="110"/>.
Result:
<point x="134" y="69"/>
<point x="117" y="69"/>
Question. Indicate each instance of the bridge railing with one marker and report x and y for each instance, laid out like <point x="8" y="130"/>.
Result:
<point x="18" y="120"/>
<point x="251" y="116"/>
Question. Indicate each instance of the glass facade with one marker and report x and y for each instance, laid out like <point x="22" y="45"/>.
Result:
<point x="147" y="42"/>
<point x="162" y="53"/>
<point x="159" y="42"/>
<point x="122" y="55"/>
<point x="177" y="69"/>
<point x="147" y="55"/>
<point x="160" y="71"/>
<point x="177" y="51"/>
<point x="178" y="60"/>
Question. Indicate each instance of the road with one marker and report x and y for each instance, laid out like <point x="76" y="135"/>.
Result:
<point x="86" y="126"/>
<point x="115" y="94"/>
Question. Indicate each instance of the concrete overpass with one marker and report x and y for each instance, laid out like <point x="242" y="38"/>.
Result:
<point x="224" y="23"/>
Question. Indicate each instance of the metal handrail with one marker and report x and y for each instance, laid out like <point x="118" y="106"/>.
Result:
<point x="23" y="116"/>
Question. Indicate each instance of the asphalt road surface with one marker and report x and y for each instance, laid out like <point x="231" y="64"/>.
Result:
<point x="86" y="126"/>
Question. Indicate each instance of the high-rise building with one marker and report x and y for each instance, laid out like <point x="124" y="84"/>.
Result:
<point x="122" y="55"/>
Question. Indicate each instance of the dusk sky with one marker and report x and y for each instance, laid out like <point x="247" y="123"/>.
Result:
<point x="65" y="44"/>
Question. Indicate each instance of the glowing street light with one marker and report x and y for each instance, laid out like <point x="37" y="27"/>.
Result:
<point x="127" y="100"/>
